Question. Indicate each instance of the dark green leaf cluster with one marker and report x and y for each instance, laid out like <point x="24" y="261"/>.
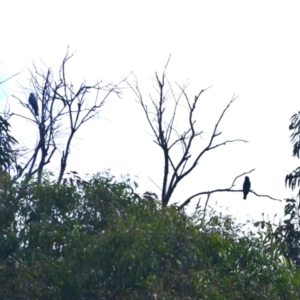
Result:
<point x="288" y="233"/>
<point x="293" y="179"/>
<point x="6" y="145"/>
<point x="295" y="126"/>
<point x="284" y="239"/>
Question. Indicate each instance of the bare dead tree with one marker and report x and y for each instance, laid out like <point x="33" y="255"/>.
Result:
<point x="164" y="131"/>
<point x="63" y="110"/>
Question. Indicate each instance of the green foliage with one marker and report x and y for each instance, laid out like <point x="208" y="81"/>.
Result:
<point x="289" y="231"/>
<point x="6" y="145"/>
<point x="287" y="234"/>
<point x="97" y="239"/>
<point x="283" y="239"/>
<point x="293" y="179"/>
<point x="295" y="126"/>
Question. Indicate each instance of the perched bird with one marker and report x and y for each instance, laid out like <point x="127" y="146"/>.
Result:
<point x="33" y="102"/>
<point x="246" y="187"/>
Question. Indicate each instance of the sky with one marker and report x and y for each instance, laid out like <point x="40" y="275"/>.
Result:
<point x="247" y="49"/>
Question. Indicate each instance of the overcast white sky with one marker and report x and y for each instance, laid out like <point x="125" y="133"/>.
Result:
<point x="250" y="49"/>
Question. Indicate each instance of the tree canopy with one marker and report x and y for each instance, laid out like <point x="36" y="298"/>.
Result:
<point x="98" y="240"/>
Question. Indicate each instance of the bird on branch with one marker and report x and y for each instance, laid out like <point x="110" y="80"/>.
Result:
<point x="33" y="102"/>
<point x="246" y="187"/>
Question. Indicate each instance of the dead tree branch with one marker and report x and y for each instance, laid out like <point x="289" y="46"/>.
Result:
<point x="164" y="131"/>
<point x="1" y="82"/>
<point x="63" y="110"/>
<point x="229" y="189"/>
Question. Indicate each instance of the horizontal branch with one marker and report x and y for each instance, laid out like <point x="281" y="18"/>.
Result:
<point x="186" y="202"/>
<point x="223" y="190"/>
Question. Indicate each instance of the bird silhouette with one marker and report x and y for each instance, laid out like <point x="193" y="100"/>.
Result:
<point x="246" y="187"/>
<point x="33" y="102"/>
